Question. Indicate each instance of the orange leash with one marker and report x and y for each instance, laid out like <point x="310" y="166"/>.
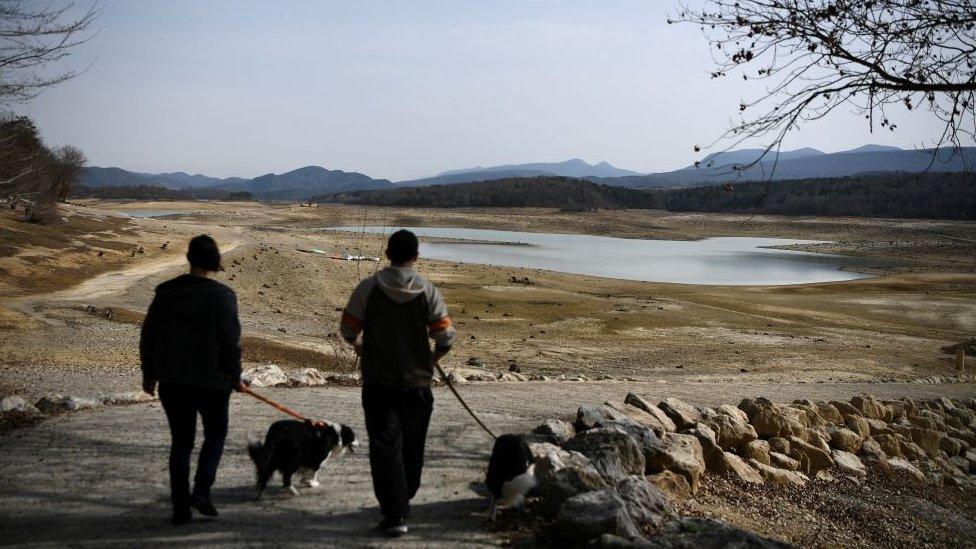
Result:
<point x="273" y="404"/>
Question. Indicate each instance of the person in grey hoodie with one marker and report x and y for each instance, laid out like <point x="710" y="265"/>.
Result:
<point x="390" y="319"/>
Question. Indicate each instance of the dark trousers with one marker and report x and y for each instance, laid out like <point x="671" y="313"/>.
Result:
<point x="182" y="403"/>
<point x="396" y="422"/>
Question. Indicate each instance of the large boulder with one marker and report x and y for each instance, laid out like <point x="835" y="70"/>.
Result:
<point x="878" y="427"/>
<point x="829" y="412"/>
<point x="645" y="502"/>
<point x="306" y="377"/>
<point x="590" y="417"/>
<point x="16" y="404"/>
<point x="648" y="442"/>
<point x="733" y="466"/>
<point x="54" y="403"/>
<point x="674" y="485"/>
<point x="641" y="417"/>
<point x="781" y="477"/>
<point x="927" y="439"/>
<point x="845" y="409"/>
<point x="912" y="451"/>
<point x="128" y="397"/>
<point x="556" y="431"/>
<point x="659" y="415"/>
<point x="858" y="425"/>
<point x="889" y="444"/>
<point x="816" y="458"/>
<point x="562" y="475"/>
<point x="693" y="532"/>
<point x="681" y="454"/>
<point x="900" y="468"/>
<point x="783" y="461"/>
<point x="869" y="407"/>
<point x="849" y="464"/>
<point x="952" y="446"/>
<point x="592" y="514"/>
<point x="267" y="375"/>
<point x="772" y="420"/>
<point x="732" y="411"/>
<point x="846" y="440"/>
<point x="730" y="431"/>
<point x="779" y="444"/>
<point x="614" y="453"/>
<point x="757" y="450"/>
<point x="683" y="415"/>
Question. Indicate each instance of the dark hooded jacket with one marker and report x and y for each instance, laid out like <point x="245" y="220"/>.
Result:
<point x="192" y="334"/>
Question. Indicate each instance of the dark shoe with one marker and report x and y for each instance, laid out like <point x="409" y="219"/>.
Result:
<point x="181" y="516"/>
<point x="392" y="527"/>
<point x="204" y="506"/>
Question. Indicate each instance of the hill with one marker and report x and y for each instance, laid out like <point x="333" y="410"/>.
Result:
<point x="544" y="192"/>
<point x="304" y="183"/>
<point x="809" y="163"/>
<point x="570" y="168"/>
<point x="95" y="176"/>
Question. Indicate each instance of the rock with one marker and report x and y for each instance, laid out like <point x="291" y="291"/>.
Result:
<point x="641" y="417"/>
<point x="540" y="450"/>
<point x="829" y="412"/>
<point x="562" y="475"/>
<point x="783" y="461"/>
<point x="912" y="451"/>
<point x="869" y="407"/>
<point x="859" y="425"/>
<point x="904" y="469"/>
<point x="682" y="454"/>
<point x="456" y="378"/>
<point x="555" y="431"/>
<point x="757" y="450"/>
<point x="662" y="418"/>
<point x="267" y="375"/>
<point x="687" y="533"/>
<point x="771" y="420"/>
<point x="733" y="466"/>
<point x="878" y="427"/>
<point x="951" y="446"/>
<point x="506" y="376"/>
<point x="683" y="415"/>
<point x="589" y="417"/>
<point x="816" y="458"/>
<point x="130" y="397"/>
<point x="927" y="439"/>
<point x="781" y="477"/>
<point x="645" y="503"/>
<point x="16" y="404"/>
<point x="474" y="361"/>
<point x="56" y="403"/>
<point x="890" y="445"/>
<point x="520" y="376"/>
<point x="614" y="453"/>
<point x="779" y="444"/>
<point x="306" y="377"/>
<point x="591" y="514"/>
<point x="845" y="440"/>
<point x="730" y="431"/>
<point x="648" y="442"/>
<point x="872" y="448"/>
<point x="732" y="411"/>
<point x="342" y="378"/>
<point x="674" y="485"/>
<point x="849" y="464"/>
<point x="845" y="409"/>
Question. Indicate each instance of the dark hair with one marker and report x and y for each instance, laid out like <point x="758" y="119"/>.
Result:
<point x="402" y="246"/>
<point x="203" y="253"/>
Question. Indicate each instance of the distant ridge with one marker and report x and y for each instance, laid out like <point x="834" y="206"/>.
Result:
<point x="570" y="168"/>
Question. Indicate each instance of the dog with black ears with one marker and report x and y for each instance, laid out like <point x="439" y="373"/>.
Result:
<point x="301" y="447"/>
<point x="511" y="474"/>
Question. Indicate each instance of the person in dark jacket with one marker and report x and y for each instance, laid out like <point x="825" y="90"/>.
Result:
<point x="397" y="312"/>
<point x="191" y="348"/>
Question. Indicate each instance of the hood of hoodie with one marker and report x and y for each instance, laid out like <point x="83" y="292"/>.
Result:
<point x="401" y="284"/>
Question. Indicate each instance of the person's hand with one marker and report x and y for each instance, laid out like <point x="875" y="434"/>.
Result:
<point x="357" y="346"/>
<point x="240" y="387"/>
<point x="149" y="386"/>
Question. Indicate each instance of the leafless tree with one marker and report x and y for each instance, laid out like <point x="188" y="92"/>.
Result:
<point x="66" y="167"/>
<point x="34" y="35"/>
<point x="875" y="57"/>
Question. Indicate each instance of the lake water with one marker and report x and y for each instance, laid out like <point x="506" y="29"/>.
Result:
<point x="726" y="260"/>
<point x="153" y="213"/>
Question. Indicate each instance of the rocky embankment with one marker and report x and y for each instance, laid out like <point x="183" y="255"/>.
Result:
<point x="611" y="476"/>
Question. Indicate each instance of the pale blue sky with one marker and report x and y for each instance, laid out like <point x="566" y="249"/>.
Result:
<point x="401" y="89"/>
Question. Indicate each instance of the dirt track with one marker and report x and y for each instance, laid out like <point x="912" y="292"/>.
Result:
<point x="99" y="478"/>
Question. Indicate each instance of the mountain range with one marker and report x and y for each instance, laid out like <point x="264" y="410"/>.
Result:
<point x="714" y="169"/>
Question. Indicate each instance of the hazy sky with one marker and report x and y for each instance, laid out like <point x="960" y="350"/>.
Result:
<point x="401" y="89"/>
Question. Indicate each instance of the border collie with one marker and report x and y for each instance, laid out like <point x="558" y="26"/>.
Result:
<point x="511" y="474"/>
<point x="298" y="447"/>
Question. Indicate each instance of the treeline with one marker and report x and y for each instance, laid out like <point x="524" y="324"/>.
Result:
<point x="546" y="192"/>
<point x="890" y="194"/>
<point x="153" y="192"/>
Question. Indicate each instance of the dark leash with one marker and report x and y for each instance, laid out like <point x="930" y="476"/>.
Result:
<point x="450" y="386"/>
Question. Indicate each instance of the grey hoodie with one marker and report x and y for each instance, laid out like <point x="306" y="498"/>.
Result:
<point x="401" y="285"/>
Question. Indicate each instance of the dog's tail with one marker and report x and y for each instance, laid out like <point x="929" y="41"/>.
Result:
<point x="255" y="448"/>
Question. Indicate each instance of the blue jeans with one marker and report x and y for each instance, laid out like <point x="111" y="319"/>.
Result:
<point x="182" y="403"/>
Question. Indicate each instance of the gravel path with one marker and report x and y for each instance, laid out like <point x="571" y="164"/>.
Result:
<point x="99" y="478"/>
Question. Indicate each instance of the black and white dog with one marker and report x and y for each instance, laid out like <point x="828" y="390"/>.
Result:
<point x="511" y="473"/>
<point x="298" y="447"/>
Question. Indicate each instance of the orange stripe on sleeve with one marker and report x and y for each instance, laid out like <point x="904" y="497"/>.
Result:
<point x="352" y="321"/>
<point x="440" y="325"/>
